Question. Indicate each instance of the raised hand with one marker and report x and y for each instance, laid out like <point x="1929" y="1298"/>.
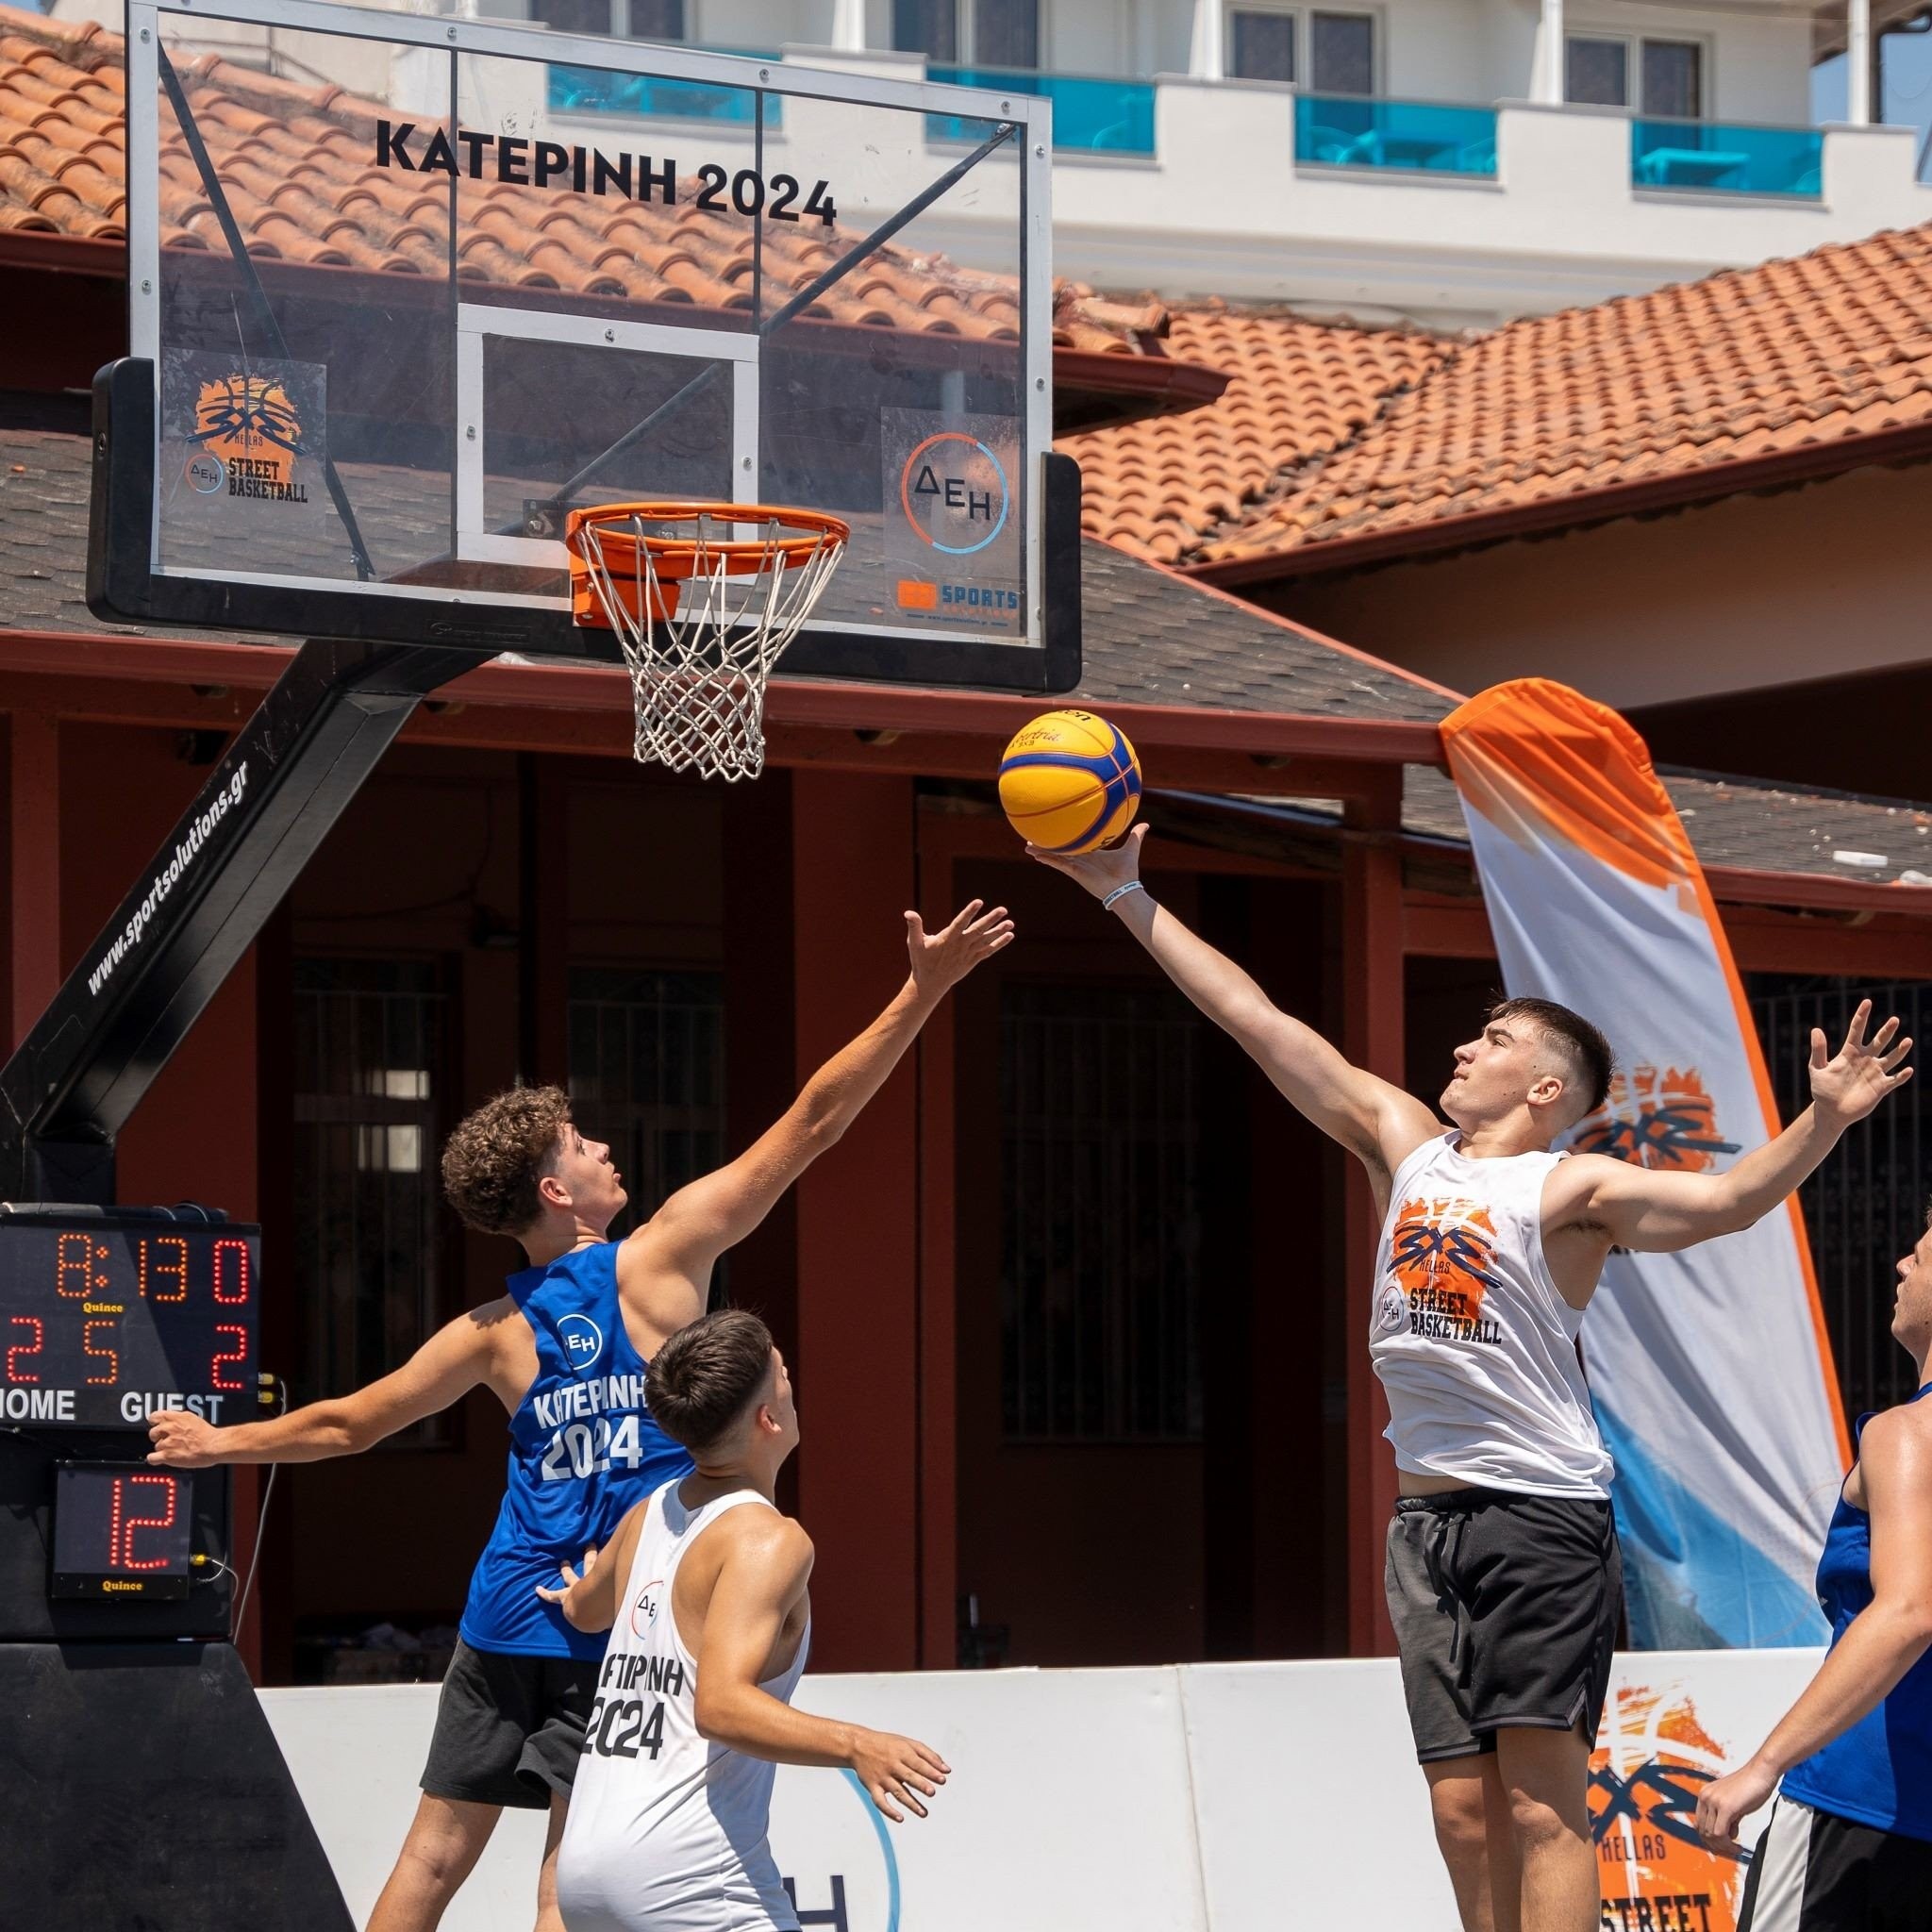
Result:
<point x="897" y="1768"/>
<point x="942" y="960"/>
<point x="1848" y="1086"/>
<point x="1100" y="871"/>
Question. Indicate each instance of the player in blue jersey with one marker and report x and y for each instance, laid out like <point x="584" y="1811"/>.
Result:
<point x="565" y="1351"/>
<point x="1849" y="1845"/>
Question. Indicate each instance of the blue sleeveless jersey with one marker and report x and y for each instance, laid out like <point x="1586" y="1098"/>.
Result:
<point x="582" y="1450"/>
<point x="1879" y="1773"/>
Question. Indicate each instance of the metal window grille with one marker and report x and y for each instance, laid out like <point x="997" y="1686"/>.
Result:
<point x="368" y="1261"/>
<point x="1100" y="1268"/>
<point x="648" y="1074"/>
<point x="1866" y="1206"/>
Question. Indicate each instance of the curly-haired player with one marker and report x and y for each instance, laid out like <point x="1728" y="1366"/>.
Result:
<point x="566" y="1351"/>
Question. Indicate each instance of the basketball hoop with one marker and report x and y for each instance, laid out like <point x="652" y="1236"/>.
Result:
<point x="703" y="597"/>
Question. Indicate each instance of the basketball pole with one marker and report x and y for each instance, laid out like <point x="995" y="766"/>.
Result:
<point x="166" y="1736"/>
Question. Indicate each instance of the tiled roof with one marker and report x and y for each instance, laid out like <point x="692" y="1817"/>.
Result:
<point x="1163" y="488"/>
<point x="1664" y="394"/>
<point x="1150" y="636"/>
<point x="295" y="159"/>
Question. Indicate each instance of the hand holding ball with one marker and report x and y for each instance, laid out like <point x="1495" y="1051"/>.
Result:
<point x="1070" y="783"/>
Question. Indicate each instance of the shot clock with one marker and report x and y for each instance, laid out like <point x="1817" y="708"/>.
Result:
<point x="106" y="1319"/>
<point x="121" y="1530"/>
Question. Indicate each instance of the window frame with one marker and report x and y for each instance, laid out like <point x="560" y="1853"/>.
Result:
<point x="620" y="28"/>
<point x="1297" y="38"/>
<point x="966" y="38"/>
<point x="1633" y="46"/>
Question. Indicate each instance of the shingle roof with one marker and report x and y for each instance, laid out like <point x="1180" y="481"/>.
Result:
<point x="1150" y="636"/>
<point x="1543" y="415"/>
<point x="296" y="160"/>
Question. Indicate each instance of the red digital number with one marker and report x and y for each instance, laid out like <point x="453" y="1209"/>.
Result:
<point x="33" y="1347"/>
<point x="237" y="1251"/>
<point x="240" y="1355"/>
<point x="120" y="1528"/>
<point x="170" y="1266"/>
<point x="73" y="1260"/>
<point x="111" y="1356"/>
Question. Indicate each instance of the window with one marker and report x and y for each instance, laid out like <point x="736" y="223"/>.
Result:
<point x="1674" y="79"/>
<point x="984" y="33"/>
<point x="1596" y="73"/>
<point x="368" y="1261"/>
<point x="1100" y="1261"/>
<point x="1341" y="53"/>
<point x="632" y="20"/>
<point x="1260" y="46"/>
<point x="648" y="1074"/>
<point x="1866" y="1206"/>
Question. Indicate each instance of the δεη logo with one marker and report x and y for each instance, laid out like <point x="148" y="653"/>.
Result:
<point x="583" y="1340"/>
<point x="836" y="1853"/>
<point x="954" y="493"/>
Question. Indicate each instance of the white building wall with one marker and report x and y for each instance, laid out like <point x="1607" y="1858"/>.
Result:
<point x="1444" y="50"/>
<point x="1090" y="36"/>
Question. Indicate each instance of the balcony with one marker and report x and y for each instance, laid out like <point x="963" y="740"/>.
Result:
<point x="598" y="91"/>
<point x="1718" y="157"/>
<point x="1092" y="114"/>
<point x="1412" y="137"/>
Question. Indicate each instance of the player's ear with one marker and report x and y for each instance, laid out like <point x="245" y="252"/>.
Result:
<point x="552" y="1192"/>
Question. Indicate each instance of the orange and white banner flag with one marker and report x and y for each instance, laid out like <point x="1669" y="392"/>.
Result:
<point x="1710" y="1370"/>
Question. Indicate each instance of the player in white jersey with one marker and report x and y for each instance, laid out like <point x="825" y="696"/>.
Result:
<point x="703" y="1589"/>
<point x="1502" y="1571"/>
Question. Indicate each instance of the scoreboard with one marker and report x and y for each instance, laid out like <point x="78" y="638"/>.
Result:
<point x="104" y="1321"/>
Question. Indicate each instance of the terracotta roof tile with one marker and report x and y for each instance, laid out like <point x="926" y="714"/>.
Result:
<point x="295" y="158"/>
<point x="1329" y="433"/>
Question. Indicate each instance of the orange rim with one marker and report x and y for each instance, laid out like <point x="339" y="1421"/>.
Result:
<point x="674" y="558"/>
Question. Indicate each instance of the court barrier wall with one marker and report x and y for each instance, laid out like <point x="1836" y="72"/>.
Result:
<point x="1203" y="1798"/>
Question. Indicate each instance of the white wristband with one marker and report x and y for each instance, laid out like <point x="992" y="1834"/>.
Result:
<point x="1121" y="893"/>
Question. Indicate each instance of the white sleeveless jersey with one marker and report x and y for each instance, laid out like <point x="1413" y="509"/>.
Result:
<point x="666" y="1830"/>
<point x="1474" y="1345"/>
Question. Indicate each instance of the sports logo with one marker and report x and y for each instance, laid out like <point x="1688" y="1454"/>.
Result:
<point x="583" y="1340"/>
<point x="1651" y="1760"/>
<point x="1659" y="1118"/>
<point x="1441" y="1257"/>
<point x="250" y="426"/>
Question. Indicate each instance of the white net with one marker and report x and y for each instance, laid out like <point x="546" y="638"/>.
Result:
<point x="703" y="603"/>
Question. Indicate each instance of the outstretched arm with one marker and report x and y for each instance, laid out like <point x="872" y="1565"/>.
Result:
<point x="1368" y="1115"/>
<point x="1657" y="1213"/>
<point x="1880" y="1644"/>
<point x="448" y="1366"/>
<point x="764" y="1580"/>
<point x="681" y="1242"/>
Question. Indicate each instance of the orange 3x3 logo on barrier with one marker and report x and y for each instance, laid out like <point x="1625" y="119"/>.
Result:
<point x="1658" y="1117"/>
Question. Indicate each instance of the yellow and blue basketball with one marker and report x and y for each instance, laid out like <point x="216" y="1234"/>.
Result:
<point x="1070" y="782"/>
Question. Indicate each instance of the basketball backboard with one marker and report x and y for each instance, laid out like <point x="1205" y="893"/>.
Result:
<point x="406" y="289"/>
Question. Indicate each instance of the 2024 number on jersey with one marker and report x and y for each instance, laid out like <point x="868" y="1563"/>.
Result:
<point x="619" y="1729"/>
<point x="582" y="1449"/>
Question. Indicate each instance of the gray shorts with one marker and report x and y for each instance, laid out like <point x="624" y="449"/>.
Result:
<point x="509" y="1729"/>
<point x="1507" y="1609"/>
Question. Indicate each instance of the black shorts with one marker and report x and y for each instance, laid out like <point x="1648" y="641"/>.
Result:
<point x="1815" y="1872"/>
<point x="508" y="1729"/>
<point x="1505" y="1609"/>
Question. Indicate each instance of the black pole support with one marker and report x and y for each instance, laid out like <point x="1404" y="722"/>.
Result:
<point x="198" y="905"/>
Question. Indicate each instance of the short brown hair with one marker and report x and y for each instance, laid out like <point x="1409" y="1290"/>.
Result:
<point x="1583" y="1045"/>
<point x="497" y="1155"/>
<point x="705" y="1377"/>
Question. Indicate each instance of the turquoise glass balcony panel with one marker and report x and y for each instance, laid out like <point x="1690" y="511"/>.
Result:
<point x="1091" y="114"/>
<point x="1407" y="136"/>
<point x="598" y="91"/>
<point x="1721" y="157"/>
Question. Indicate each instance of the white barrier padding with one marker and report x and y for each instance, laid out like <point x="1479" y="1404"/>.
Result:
<point x="1204" y="1798"/>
